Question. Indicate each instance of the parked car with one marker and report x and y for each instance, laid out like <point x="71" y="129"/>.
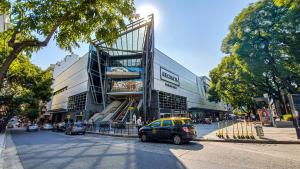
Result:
<point x="32" y="127"/>
<point x="10" y="125"/>
<point x="77" y="128"/>
<point x="176" y="129"/>
<point x="47" y="126"/>
<point x="59" y="126"/>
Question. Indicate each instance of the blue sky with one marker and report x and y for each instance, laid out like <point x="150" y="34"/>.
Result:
<point x="189" y="31"/>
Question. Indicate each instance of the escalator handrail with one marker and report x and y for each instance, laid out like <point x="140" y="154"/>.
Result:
<point x="120" y="108"/>
<point x="126" y="113"/>
<point x="125" y="109"/>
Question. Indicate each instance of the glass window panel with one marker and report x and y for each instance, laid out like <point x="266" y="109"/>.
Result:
<point x="135" y="35"/>
<point x="129" y="62"/>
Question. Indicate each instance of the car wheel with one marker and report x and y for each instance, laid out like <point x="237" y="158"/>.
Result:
<point x="144" y="138"/>
<point x="177" y="140"/>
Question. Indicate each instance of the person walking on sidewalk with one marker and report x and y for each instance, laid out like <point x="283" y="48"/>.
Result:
<point x="139" y="123"/>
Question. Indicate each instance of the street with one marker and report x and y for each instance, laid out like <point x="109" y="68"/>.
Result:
<point x="50" y="150"/>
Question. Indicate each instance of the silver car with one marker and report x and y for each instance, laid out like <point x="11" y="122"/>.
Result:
<point x="47" y="126"/>
<point x="77" y="128"/>
<point x="32" y="127"/>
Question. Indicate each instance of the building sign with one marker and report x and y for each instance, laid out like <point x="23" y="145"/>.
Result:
<point x="169" y="76"/>
<point x="135" y="85"/>
<point x="124" y="69"/>
<point x="170" y="85"/>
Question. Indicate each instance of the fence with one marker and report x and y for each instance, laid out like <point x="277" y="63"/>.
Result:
<point x="114" y="128"/>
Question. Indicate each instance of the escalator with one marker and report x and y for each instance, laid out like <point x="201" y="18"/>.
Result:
<point x="114" y="112"/>
<point x="123" y="115"/>
<point x="110" y="108"/>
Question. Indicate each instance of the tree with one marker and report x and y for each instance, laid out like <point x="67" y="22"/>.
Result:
<point x="34" y="22"/>
<point x="265" y="37"/>
<point x="230" y="82"/>
<point x="24" y="87"/>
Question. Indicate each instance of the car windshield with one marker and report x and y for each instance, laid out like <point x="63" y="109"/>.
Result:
<point x="187" y="121"/>
<point x="177" y="122"/>
<point x="78" y="125"/>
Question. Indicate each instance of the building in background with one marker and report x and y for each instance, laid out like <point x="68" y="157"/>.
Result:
<point x="4" y="20"/>
<point x="71" y="98"/>
<point x="111" y="83"/>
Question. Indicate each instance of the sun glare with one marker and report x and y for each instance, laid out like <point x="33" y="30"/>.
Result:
<point x="146" y="10"/>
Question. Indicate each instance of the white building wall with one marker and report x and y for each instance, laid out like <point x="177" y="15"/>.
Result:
<point x="190" y="85"/>
<point x="71" y="72"/>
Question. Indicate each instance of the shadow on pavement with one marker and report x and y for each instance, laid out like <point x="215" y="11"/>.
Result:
<point x="43" y="150"/>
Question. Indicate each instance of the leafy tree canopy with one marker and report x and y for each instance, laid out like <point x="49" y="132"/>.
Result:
<point x="265" y="39"/>
<point x="25" y="86"/>
<point x="34" y="22"/>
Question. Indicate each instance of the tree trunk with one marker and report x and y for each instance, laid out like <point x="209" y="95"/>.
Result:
<point x="4" y="68"/>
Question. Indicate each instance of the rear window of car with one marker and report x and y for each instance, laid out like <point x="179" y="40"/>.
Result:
<point x="177" y="122"/>
<point x="78" y="125"/>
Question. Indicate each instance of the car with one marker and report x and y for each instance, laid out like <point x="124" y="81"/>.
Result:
<point x="59" y="126"/>
<point x="10" y="125"/>
<point x="175" y="129"/>
<point x="47" y="126"/>
<point x="77" y="128"/>
<point x="32" y="127"/>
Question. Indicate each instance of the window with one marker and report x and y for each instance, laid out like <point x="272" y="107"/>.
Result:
<point x="77" y="102"/>
<point x="187" y="121"/>
<point x="167" y="123"/>
<point x="177" y="122"/>
<point x="172" y="101"/>
<point x="155" y="123"/>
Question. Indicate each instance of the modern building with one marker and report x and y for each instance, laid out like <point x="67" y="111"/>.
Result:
<point x="129" y="77"/>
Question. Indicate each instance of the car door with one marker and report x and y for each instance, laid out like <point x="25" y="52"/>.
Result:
<point x="165" y="130"/>
<point x="155" y="129"/>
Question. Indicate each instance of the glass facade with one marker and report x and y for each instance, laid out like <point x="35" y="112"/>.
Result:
<point x="172" y="101"/>
<point x="77" y="102"/>
<point x="126" y="62"/>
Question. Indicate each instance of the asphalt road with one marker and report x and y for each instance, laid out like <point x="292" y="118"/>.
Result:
<point x="49" y="150"/>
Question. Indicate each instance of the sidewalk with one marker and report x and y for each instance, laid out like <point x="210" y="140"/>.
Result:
<point x="208" y="132"/>
<point x="2" y="147"/>
<point x="272" y="135"/>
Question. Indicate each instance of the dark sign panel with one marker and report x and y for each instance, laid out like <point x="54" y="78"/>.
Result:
<point x="168" y="76"/>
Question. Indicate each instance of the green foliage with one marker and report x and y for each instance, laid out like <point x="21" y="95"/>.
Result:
<point x="34" y="22"/>
<point x="265" y="39"/>
<point x="32" y="113"/>
<point x="24" y="87"/>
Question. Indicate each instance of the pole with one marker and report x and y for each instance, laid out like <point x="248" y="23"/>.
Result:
<point x="295" y="115"/>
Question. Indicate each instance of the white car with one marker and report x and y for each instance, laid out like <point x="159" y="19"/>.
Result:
<point x="47" y="126"/>
<point x="32" y="127"/>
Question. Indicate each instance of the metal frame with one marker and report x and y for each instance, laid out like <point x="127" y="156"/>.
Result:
<point x="146" y="49"/>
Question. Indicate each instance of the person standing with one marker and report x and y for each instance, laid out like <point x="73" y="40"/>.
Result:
<point x="139" y="123"/>
<point x="134" y="119"/>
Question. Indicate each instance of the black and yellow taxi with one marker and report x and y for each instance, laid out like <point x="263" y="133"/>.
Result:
<point x="176" y="129"/>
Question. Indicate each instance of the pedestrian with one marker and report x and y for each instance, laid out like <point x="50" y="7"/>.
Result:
<point x="85" y="123"/>
<point x="110" y="123"/>
<point x="139" y="123"/>
<point x="134" y="118"/>
<point x="93" y="125"/>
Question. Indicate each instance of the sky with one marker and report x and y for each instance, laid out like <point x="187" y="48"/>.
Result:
<point x="188" y="31"/>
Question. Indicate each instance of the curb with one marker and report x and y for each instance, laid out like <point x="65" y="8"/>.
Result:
<point x="248" y="141"/>
<point x="210" y="140"/>
<point x="2" y="151"/>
